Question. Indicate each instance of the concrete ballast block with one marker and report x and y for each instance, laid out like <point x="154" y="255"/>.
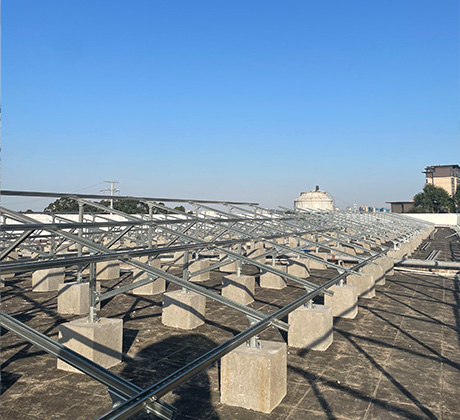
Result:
<point x="178" y="257"/>
<point x="311" y="328"/>
<point x="47" y="280"/>
<point x="364" y="284"/>
<point x="240" y="289"/>
<point x="257" y="252"/>
<point x="376" y="271"/>
<point x="270" y="280"/>
<point x="184" y="310"/>
<point x="298" y="269"/>
<point x="107" y="270"/>
<point x="387" y="264"/>
<point x="73" y="298"/>
<point x="345" y="249"/>
<point x="254" y="378"/>
<point x="100" y="342"/>
<point x="316" y="265"/>
<point x="344" y="302"/>
<point x="231" y="267"/>
<point x="200" y="265"/>
<point x="155" y="286"/>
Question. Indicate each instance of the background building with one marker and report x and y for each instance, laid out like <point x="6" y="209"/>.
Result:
<point x="445" y="176"/>
<point x="401" y="206"/>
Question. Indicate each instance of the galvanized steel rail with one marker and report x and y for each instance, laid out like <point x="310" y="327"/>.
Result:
<point x="185" y="233"/>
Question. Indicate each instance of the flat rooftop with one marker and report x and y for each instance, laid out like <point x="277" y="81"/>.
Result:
<point x="399" y="358"/>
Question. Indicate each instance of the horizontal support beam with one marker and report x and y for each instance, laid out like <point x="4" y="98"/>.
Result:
<point x="118" y="197"/>
<point x="75" y="225"/>
<point x="21" y="267"/>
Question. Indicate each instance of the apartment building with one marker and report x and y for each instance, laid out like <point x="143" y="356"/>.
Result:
<point x="445" y="176"/>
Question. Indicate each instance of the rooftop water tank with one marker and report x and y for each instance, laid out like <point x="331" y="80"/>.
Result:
<point x="316" y="199"/>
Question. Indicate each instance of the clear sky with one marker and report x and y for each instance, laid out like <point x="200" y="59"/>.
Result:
<point x="242" y="100"/>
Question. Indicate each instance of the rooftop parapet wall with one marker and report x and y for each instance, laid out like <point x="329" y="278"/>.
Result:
<point x="440" y="219"/>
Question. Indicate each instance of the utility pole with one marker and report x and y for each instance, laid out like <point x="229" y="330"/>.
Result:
<point x="112" y="191"/>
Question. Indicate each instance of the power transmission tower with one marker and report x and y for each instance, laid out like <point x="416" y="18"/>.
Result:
<point x="112" y="190"/>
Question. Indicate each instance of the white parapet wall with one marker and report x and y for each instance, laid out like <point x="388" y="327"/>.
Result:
<point x="440" y="219"/>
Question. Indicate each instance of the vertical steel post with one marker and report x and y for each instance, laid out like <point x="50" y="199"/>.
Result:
<point x="79" y="246"/>
<point x="239" y="263"/>
<point x="92" y="317"/>
<point x="53" y="238"/>
<point x="150" y="235"/>
<point x="185" y="272"/>
<point x="254" y="340"/>
<point x="150" y="228"/>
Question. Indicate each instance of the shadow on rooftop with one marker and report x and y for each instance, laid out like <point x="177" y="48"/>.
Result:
<point x="193" y="398"/>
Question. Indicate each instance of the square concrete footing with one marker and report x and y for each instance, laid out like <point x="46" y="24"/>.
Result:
<point x="344" y="303"/>
<point x="12" y="256"/>
<point x="394" y="253"/>
<point x="178" y="258"/>
<point x="387" y="264"/>
<point x="316" y="265"/>
<point x="100" y="342"/>
<point x="365" y="245"/>
<point x="154" y="287"/>
<point x="73" y="298"/>
<point x="200" y="265"/>
<point x="269" y="280"/>
<point x="240" y="289"/>
<point x="345" y="249"/>
<point x="293" y="242"/>
<point x="184" y="310"/>
<point x="231" y="267"/>
<point x="297" y="268"/>
<point x="364" y="284"/>
<point x="311" y="328"/>
<point x="4" y="277"/>
<point x="47" y="280"/>
<point x="254" y="378"/>
<point x="377" y="272"/>
<point x="107" y="270"/>
<point x="405" y="250"/>
<point x="256" y="252"/>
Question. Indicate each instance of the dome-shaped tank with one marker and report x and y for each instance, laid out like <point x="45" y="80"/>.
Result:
<point x="316" y="199"/>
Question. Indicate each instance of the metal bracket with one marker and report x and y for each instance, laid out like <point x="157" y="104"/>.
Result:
<point x="117" y="399"/>
<point x="308" y="303"/>
<point x="253" y="342"/>
<point x="159" y="409"/>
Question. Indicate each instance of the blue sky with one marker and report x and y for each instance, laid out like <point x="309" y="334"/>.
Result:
<point x="241" y="100"/>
